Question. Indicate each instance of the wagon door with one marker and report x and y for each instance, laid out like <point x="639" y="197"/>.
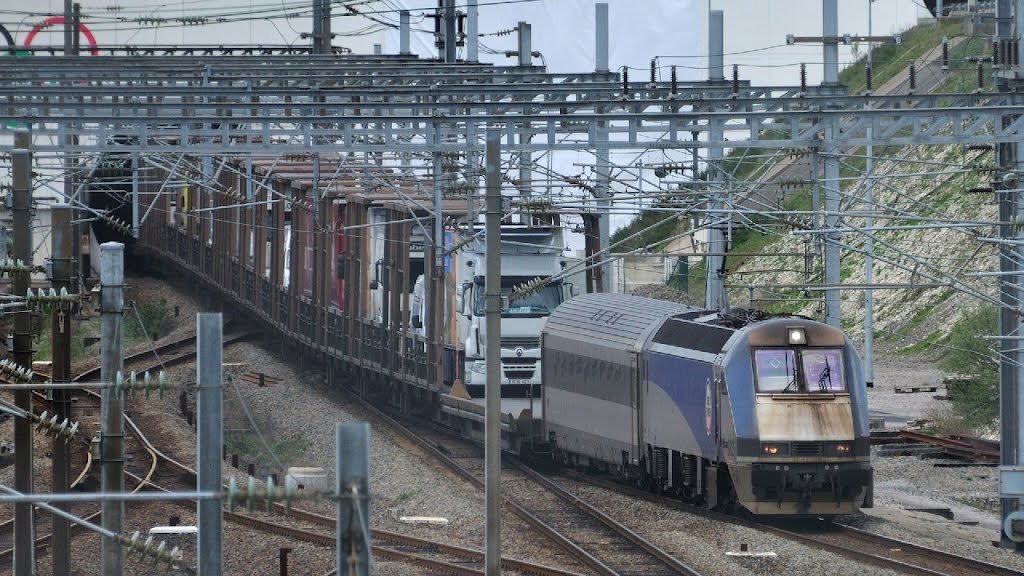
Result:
<point x="636" y="380"/>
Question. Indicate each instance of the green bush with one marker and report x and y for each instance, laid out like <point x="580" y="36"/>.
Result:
<point x="147" y="320"/>
<point x="976" y="397"/>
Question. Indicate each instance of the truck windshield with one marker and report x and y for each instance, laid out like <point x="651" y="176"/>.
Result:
<point x="539" y="303"/>
<point x="806" y="370"/>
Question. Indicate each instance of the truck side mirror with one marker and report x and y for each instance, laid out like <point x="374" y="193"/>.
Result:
<point x="460" y="298"/>
<point x="568" y="291"/>
<point x="340" y="268"/>
<point x="416" y="322"/>
<point x="375" y="283"/>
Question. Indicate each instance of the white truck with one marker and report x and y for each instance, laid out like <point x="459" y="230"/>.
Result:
<point x="527" y="253"/>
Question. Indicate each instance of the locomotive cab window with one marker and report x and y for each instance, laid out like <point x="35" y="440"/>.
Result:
<point x="802" y="370"/>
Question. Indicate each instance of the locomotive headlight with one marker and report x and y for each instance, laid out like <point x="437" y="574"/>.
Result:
<point x="842" y="449"/>
<point x="775" y="449"/>
<point x="797" y="336"/>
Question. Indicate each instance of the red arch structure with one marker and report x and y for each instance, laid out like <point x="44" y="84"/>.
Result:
<point x="54" y="20"/>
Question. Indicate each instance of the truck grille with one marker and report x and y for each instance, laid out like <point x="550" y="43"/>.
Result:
<point x="516" y="361"/>
<point x="519" y="374"/>
<point x="523" y="342"/>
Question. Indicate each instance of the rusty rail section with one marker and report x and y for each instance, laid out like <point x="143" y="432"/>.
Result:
<point x="965" y="447"/>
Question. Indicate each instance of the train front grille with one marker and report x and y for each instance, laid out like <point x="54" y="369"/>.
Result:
<point x="807" y="449"/>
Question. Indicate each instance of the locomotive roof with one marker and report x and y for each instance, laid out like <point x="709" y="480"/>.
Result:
<point x="613" y="320"/>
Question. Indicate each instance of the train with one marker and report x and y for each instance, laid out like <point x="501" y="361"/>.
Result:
<point x="766" y="414"/>
<point x="713" y="408"/>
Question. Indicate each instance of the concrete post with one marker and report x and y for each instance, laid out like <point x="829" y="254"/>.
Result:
<point x="112" y="402"/>
<point x="492" y="389"/>
<point x="61" y="237"/>
<point x="830" y="24"/>
<point x="601" y="36"/>
<point x="716" y="46"/>
<point x="24" y="528"/>
<point x="353" y="509"/>
<point x="472" y="31"/>
<point x="210" y="440"/>
<point x="525" y="43"/>
<point x="403" y="32"/>
<point x="449" y="31"/>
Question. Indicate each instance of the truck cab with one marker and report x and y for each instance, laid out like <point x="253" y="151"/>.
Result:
<point x="527" y="254"/>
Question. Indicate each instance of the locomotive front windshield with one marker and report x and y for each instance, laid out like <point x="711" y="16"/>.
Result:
<point x="805" y="370"/>
<point x="536" y="304"/>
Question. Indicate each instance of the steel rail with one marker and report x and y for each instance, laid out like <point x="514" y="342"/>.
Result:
<point x="521" y="511"/>
<point x="324" y="540"/>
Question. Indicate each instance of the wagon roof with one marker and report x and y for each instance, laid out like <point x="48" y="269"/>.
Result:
<point x="619" y="321"/>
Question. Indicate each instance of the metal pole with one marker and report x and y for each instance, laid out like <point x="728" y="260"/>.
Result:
<point x="869" y="249"/>
<point x="449" y="31"/>
<point x="1018" y="20"/>
<point x="472" y="31"/>
<point x="112" y="403"/>
<point x="76" y="20"/>
<point x="24" y="531"/>
<point x="716" y="46"/>
<point x="325" y="28"/>
<point x="1010" y="373"/>
<point x="69" y="27"/>
<point x="352" y="471"/>
<point x="714" y="293"/>
<point x="492" y="390"/>
<point x="135" y="194"/>
<point x="830" y="23"/>
<point x="403" y="32"/>
<point x="317" y="24"/>
<point x="210" y="440"/>
<point x="832" y="316"/>
<point x="602" y="171"/>
<point x="601" y="36"/>
<point x="525" y="44"/>
<point x="60" y="332"/>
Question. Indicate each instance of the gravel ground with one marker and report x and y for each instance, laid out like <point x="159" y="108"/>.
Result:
<point x="297" y="418"/>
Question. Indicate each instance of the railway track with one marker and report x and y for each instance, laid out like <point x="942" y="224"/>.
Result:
<point x="593" y="538"/>
<point x="162" y="472"/>
<point x="898" y="555"/>
<point x="853" y="543"/>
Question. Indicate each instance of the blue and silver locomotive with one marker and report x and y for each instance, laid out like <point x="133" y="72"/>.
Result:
<point x="769" y="414"/>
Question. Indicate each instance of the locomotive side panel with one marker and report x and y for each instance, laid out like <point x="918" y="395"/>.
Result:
<point x="679" y="405"/>
<point x="590" y="399"/>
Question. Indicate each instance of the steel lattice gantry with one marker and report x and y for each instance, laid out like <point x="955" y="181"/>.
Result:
<point x="255" y="104"/>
